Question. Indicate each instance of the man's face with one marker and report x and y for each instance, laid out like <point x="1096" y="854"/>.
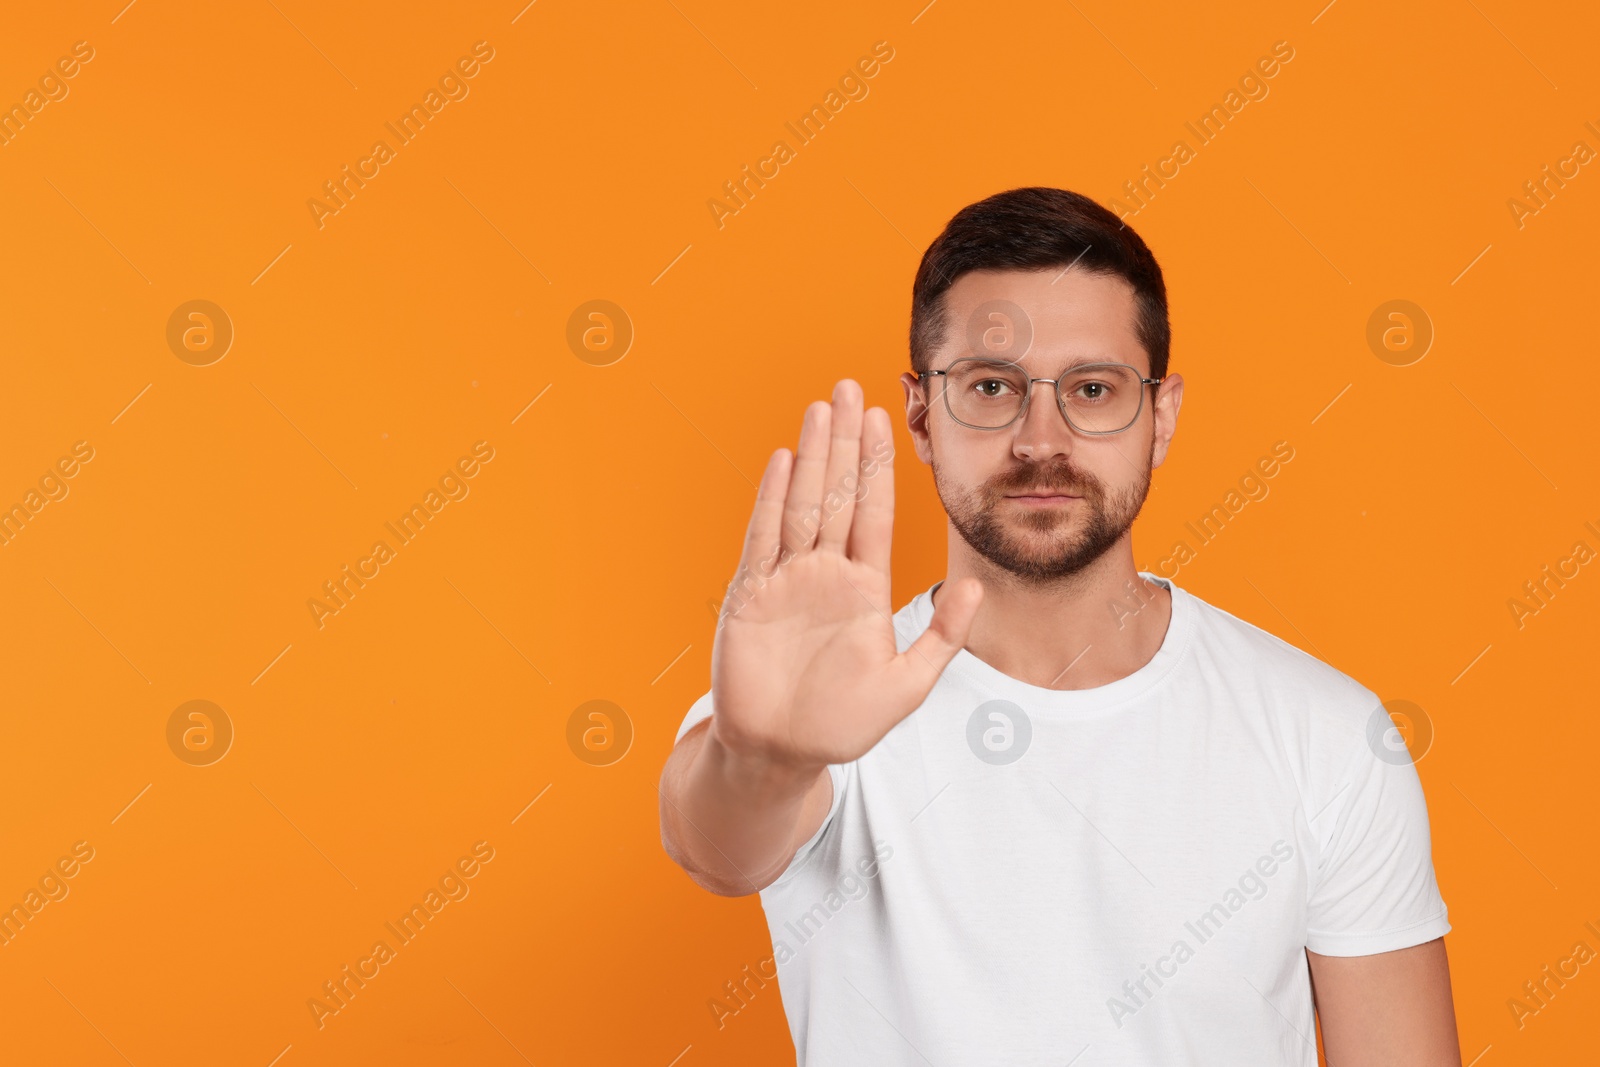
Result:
<point x="987" y="479"/>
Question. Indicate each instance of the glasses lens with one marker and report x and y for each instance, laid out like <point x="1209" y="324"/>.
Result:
<point x="986" y="393"/>
<point x="1102" y="398"/>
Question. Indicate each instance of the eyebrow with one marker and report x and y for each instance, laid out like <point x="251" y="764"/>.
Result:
<point x="1076" y="361"/>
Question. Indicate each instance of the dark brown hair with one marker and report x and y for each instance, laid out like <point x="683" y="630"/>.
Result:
<point x="1038" y="228"/>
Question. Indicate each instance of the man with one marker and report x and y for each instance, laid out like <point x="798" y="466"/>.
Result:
<point x="1055" y="810"/>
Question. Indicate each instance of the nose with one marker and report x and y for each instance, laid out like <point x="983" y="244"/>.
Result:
<point x="1042" y="431"/>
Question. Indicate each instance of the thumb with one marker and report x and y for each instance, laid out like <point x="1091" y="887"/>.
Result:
<point x="932" y="652"/>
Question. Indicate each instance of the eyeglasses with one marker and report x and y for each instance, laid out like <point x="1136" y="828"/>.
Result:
<point x="991" y="394"/>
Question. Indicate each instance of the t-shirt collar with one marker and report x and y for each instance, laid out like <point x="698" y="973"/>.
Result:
<point x="988" y="682"/>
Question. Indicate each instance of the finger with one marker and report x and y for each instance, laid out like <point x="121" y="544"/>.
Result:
<point x="872" y="526"/>
<point x="932" y="651"/>
<point x="803" y="504"/>
<point x="761" y="545"/>
<point x="842" y="480"/>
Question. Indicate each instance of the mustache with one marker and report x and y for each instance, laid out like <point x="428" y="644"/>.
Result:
<point x="1050" y="478"/>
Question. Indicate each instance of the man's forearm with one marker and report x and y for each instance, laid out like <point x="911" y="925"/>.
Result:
<point x="731" y="822"/>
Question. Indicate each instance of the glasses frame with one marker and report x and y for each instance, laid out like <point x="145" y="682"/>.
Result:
<point x="1055" y="384"/>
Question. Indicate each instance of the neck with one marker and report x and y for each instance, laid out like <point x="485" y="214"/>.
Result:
<point x="1086" y="630"/>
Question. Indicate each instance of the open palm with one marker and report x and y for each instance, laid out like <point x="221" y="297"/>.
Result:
<point x="805" y="668"/>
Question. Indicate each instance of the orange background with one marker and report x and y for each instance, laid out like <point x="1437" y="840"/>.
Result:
<point x="371" y="353"/>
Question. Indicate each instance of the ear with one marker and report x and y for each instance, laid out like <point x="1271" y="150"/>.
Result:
<point x="917" y="416"/>
<point x="1169" y="398"/>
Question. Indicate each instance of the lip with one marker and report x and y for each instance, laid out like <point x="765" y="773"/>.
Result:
<point x="1041" y="498"/>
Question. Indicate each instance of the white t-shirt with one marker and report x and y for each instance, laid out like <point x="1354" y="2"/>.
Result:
<point x="1122" y="875"/>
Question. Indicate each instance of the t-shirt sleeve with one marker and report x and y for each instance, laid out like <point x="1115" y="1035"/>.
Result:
<point x="1373" y="887"/>
<point x="701" y="709"/>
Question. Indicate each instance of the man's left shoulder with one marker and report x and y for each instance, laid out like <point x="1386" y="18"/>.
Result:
<point x="1290" y="678"/>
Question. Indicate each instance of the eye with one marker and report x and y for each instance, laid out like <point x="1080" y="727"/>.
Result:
<point x="990" y="387"/>
<point x="1097" y="391"/>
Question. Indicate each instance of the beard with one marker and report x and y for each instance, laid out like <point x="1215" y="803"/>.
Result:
<point x="1049" y="544"/>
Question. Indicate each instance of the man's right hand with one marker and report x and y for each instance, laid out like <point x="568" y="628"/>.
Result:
<point x="805" y="668"/>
